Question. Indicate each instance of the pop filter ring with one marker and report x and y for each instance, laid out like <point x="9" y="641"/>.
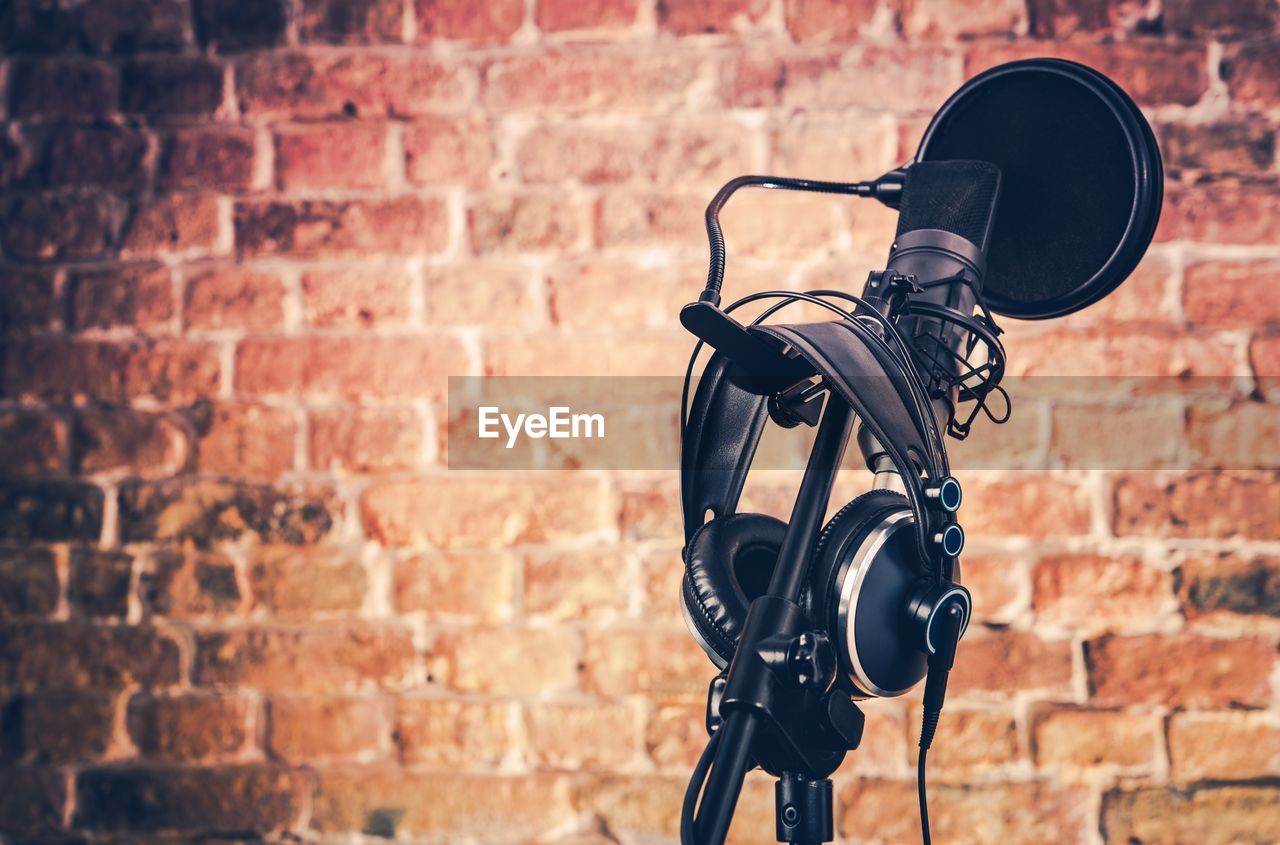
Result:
<point x="1148" y="180"/>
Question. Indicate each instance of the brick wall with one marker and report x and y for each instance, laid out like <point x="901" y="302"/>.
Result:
<point x="244" y="242"/>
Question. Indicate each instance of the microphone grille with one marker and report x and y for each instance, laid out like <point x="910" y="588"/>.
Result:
<point x="954" y="196"/>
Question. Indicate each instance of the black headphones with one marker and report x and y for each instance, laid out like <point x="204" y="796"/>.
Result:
<point x="883" y="564"/>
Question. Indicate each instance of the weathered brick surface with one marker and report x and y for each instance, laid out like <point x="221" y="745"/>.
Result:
<point x="244" y="244"/>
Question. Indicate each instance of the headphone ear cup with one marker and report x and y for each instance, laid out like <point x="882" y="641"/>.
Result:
<point x="728" y="563"/>
<point x="864" y="566"/>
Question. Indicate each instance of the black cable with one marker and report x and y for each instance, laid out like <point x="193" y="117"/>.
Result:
<point x="696" y="782"/>
<point x="924" y="799"/>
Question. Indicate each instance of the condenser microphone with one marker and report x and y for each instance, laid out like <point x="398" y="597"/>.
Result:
<point x="945" y="216"/>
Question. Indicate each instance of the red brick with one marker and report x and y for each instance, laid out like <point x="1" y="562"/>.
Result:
<point x="227" y="25"/>
<point x="1224" y="214"/>
<point x="1074" y="738"/>
<point x="356" y="297"/>
<point x="233" y="298"/>
<point x="1061" y="18"/>
<point x="1198" y="504"/>
<point x="108" y="156"/>
<point x="1094" y="591"/>
<point x="30" y="302"/>
<point x="31" y="443"/>
<point x="1244" y="435"/>
<point x="349" y="368"/>
<point x="1151" y="72"/>
<point x="446" y="150"/>
<point x="650" y="512"/>
<point x="665" y="153"/>
<point x="17" y="161"/>
<point x="886" y="78"/>
<point x="566" y="586"/>
<point x="488" y="23"/>
<point x="171" y="86"/>
<point x="82" y="656"/>
<point x="169" y="370"/>
<point x="191" y="585"/>
<point x="460" y="511"/>
<point x="639" y="220"/>
<point x="453" y="735"/>
<point x="828" y="20"/>
<point x="1145" y="358"/>
<point x="525" y="223"/>
<point x="56" y="226"/>
<point x="247" y="441"/>
<point x="227" y="800"/>
<point x="139" y="296"/>
<point x="1194" y="17"/>
<point x="190" y="726"/>
<point x="599" y="292"/>
<point x="1223" y="746"/>
<point x="331" y="228"/>
<point x="302" y="86"/>
<point x="99" y="582"/>
<point x="125" y="26"/>
<point x="709" y="16"/>
<point x="646" y="661"/>
<point x="333" y="658"/>
<point x="1180" y="670"/>
<point x="999" y="660"/>
<point x="28" y="583"/>
<point x="144" y="444"/>
<point x="1250" y="74"/>
<point x="386" y="802"/>
<point x="827" y="147"/>
<point x="949" y="19"/>
<point x="309" y="729"/>
<point x="505" y="299"/>
<point x="174" y="223"/>
<point x="1024" y="504"/>
<point x="590" y="80"/>
<point x="303" y="584"/>
<point x="503" y="661"/>
<point x="50" y="510"/>
<point x="1230" y="584"/>
<point x="1264" y="359"/>
<point x="1241" y="147"/>
<point x="475" y="586"/>
<point x="997" y="583"/>
<point x="32" y="800"/>
<point x="1215" y="815"/>
<point x="562" y="15"/>
<point x="974" y="742"/>
<point x="578" y="737"/>
<point x="187" y="509"/>
<point x="215" y="158"/>
<point x="61" y="726"/>
<point x="881" y="808"/>
<point x="61" y="87"/>
<point x="1012" y="813"/>
<point x="331" y="155"/>
<point x="366" y="440"/>
<point x="352" y="21"/>
<point x="1232" y="294"/>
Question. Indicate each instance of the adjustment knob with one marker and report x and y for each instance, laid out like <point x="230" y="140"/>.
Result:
<point x="951" y="539"/>
<point x="948" y="494"/>
<point x="812" y="660"/>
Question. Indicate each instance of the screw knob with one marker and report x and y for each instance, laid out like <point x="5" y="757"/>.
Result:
<point x="812" y="660"/>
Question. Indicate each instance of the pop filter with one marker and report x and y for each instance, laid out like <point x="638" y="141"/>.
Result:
<point x="1081" y="181"/>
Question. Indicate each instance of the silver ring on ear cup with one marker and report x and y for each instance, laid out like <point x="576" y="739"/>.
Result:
<point x="854" y="583"/>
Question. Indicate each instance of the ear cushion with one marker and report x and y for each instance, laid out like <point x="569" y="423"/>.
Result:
<point x="728" y="562"/>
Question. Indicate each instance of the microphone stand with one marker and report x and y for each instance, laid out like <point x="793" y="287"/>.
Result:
<point x="754" y="692"/>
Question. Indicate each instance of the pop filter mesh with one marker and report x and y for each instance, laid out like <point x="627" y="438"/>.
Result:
<point x="955" y="196"/>
<point x="1067" y="188"/>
